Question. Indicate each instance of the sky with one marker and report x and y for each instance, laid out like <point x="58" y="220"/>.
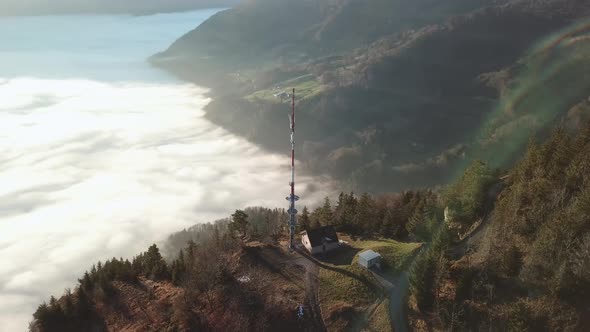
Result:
<point x="44" y="7"/>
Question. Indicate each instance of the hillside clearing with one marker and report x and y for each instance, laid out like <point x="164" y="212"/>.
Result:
<point x="306" y="86"/>
<point x="349" y="294"/>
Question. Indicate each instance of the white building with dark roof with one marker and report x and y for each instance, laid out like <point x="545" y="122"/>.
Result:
<point x="320" y="240"/>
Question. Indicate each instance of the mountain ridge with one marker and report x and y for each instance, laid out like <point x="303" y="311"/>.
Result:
<point x="399" y="100"/>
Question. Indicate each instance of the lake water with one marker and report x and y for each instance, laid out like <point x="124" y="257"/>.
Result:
<point x="102" y="155"/>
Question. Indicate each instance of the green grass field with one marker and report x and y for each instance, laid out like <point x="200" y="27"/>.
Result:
<point x="348" y="289"/>
<point x="305" y="86"/>
<point x="396" y="256"/>
<point x="380" y="321"/>
<point x="349" y="284"/>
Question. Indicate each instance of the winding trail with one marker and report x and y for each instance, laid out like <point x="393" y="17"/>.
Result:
<point x="398" y="292"/>
<point x="475" y="235"/>
<point x="397" y="303"/>
<point x="312" y="287"/>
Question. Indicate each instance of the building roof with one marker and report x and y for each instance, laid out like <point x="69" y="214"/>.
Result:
<point x="318" y="235"/>
<point x="369" y="255"/>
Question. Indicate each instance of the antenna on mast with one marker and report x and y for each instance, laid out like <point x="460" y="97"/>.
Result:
<point x="292" y="198"/>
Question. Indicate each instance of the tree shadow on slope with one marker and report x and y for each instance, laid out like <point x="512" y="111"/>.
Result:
<point x="271" y="260"/>
<point x="343" y="256"/>
<point x="342" y="271"/>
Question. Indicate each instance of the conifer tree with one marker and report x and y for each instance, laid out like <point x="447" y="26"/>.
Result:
<point x="365" y="218"/>
<point x="561" y="154"/>
<point x="326" y="213"/>
<point x="178" y="268"/>
<point x="304" y="219"/>
<point x="216" y="238"/>
<point x="339" y="210"/>
<point x="239" y="223"/>
<point x="422" y="280"/>
<point x="52" y="301"/>
<point x="42" y="317"/>
<point x="582" y="139"/>
<point x="415" y="220"/>
<point x="190" y="251"/>
<point x="388" y="225"/>
<point x="155" y="267"/>
<point x="348" y="212"/>
<point x="526" y="168"/>
<point x="68" y="307"/>
<point x="86" y="282"/>
<point x="315" y="218"/>
<point x="83" y="306"/>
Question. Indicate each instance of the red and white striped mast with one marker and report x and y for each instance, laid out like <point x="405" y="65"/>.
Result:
<point x="292" y="198"/>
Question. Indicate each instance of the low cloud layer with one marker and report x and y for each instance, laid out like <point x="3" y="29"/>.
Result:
<point x="94" y="170"/>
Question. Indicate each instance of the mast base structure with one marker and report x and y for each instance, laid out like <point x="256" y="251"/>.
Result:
<point x="292" y="220"/>
<point x="292" y="198"/>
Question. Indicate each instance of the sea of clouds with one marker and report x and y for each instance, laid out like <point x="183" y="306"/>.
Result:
<point x="91" y="170"/>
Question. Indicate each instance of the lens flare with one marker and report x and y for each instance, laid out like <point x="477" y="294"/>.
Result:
<point x="537" y="93"/>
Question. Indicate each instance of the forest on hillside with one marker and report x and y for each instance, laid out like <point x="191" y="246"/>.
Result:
<point x="206" y="280"/>
<point x="529" y="270"/>
<point x="507" y="251"/>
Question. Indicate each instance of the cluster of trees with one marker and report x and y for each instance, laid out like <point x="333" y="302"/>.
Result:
<point x="200" y="267"/>
<point x="543" y="215"/>
<point x="463" y="202"/>
<point x="469" y="198"/>
<point x="430" y="269"/>
<point x="205" y="270"/>
<point x="390" y="216"/>
<point x="199" y="233"/>
<point x="265" y="224"/>
<point x="537" y="241"/>
<point x="75" y="310"/>
<point x="261" y="224"/>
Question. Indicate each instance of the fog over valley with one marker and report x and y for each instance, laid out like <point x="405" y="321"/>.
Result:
<point x="294" y="165"/>
<point x="97" y="164"/>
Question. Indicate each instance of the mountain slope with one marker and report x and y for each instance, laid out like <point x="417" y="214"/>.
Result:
<point x="525" y="267"/>
<point x="269" y="28"/>
<point x="391" y="95"/>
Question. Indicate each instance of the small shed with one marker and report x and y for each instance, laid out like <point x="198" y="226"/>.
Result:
<point x="370" y="259"/>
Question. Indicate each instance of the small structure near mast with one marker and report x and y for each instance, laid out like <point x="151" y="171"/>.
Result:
<point x="292" y="198"/>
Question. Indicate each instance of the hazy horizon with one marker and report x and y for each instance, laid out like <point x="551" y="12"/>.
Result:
<point x="59" y="7"/>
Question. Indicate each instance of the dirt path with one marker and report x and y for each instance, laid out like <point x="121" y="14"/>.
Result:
<point x="462" y="247"/>
<point x="274" y="259"/>
<point x="471" y="240"/>
<point x="312" y="311"/>
<point x="397" y="303"/>
<point x="398" y="292"/>
<point x="359" y="324"/>
<point x="312" y="303"/>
